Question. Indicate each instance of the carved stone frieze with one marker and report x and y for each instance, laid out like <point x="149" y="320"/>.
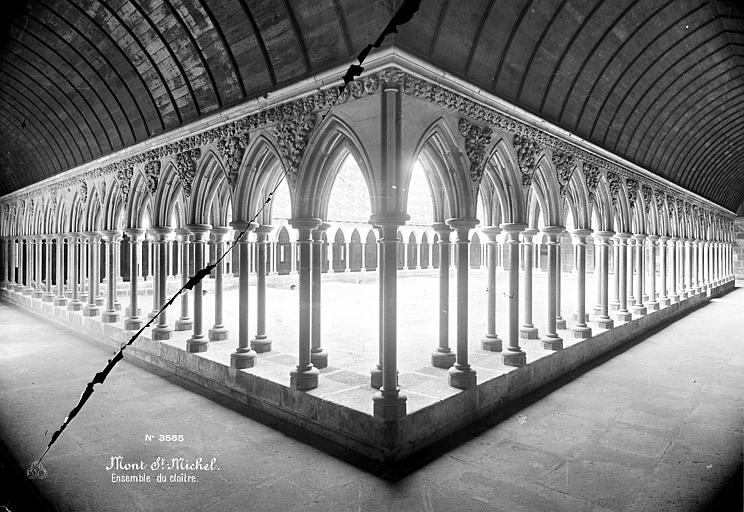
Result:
<point x="83" y="192"/>
<point x="591" y="176"/>
<point x="660" y="199"/>
<point x="564" y="164"/>
<point x="232" y="150"/>
<point x="476" y="139"/>
<point x="632" y="186"/>
<point x="152" y="175"/>
<point x="124" y="178"/>
<point x="527" y="151"/>
<point x="647" y="195"/>
<point x="292" y="134"/>
<point x="186" y="168"/>
<point x="615" y="185"/>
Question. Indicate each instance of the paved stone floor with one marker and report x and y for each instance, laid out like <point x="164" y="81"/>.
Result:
<point x="657" y="427"/>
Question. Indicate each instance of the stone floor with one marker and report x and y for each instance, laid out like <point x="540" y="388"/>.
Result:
<point x="656" y="427"/>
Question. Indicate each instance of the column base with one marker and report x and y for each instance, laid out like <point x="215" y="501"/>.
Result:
<point x="560" y="323"/>
<point x="605" y="322"/>
<point x="390" y="407"/>
<point x="514" y="358"/>
<point x="240" y="360"/>
<point x="638" y="310"/>
<point x="91" y="310"/>
<point x="110" y="316"/>
<point x="184" y="324"/>
<point x="614" y="305"/>
<point x="442" y="360"/>
<point x="133" y="323"/>
<point x="652" y="306"/>
<point x="75" y="305"/>
<point x="528" y="333"/>
<point x="462" y="378"/>
<point x="554" y="342"/>
<point x="117" y="306"/>
<point x="48" y="297"/>
<point x="375" y="380"/>
<point x="83" y="297"/>
<point x="673" y="298"/>
<point x="623" y="316"/>
<point x="99" y="301"/>
<point x="581" y="331"/>
<point x="162" y="333"/>
<point x="194" y="345"/>
<point x="317" y="359"/>
<point x="37" y="294"/>
<point x="664" y="302"/>
<point x="152" y="314"/>
<point x="218" y="333"/>
<point x="304" y="380"/>
<point x="263" y="344"/>
<point x="27" y="291"/>
<point x="490" y="343"/>
<point x="60" y="301"/>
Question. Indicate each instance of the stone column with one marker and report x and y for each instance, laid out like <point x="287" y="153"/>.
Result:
<point x="92" y="309"/>
<point x="603" y="320"/>
<point x="244" y="356"/>
<point x="29" y="258"/>
<point x="13" y="252"/>
<point x="60" y="299"/>
<point x="461" y="375"/>
<point x="134" y="321"/>
<point x="218" y="330"/>
<point x="688" y="268"/>
<point x="443" y="357"/>
<point x="376" y="372"/>
<point x="75" y="303"/>
<point x="198" y="342"/>
<point x="663" y="259"/>
<point x="560" y="322"/>
<point x="48" y="293"/>
<point x="38" y="290"/>
<point x="704" y="261"/>
<point x="5" y="260"/>
<point x="112" y="239"/>
<point x="82" y="262"/>
<point x="183" y="236"/>
<point x="615" y="302"/>
<point x="638" y="308"/>
<point x="622" y="314"/>
<point x="513" y="355"/>
<point x="491" y="340"/>
<point x="318" y="357"/>
<point x="305" y="376"/>
<point x="597" y="278"/>
<point x="631" y="270"/>
<point x="581" y="329"/>
<point x="550" y="339"/>
<point x="153" y="270"/>
<point x="698" y="266"/>
<point x="652" y="304"/>
<point x="160" y="234"/>
<point x="528" y="330"/>
<point x="672" y="254"/>
<point x="261" y="342"/>
<point x="389" y="404"/>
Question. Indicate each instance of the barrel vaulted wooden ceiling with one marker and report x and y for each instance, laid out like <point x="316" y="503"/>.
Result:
<point x="658" y="82"/>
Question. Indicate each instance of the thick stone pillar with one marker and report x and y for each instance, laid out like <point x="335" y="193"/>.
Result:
<point x="48" y="293"/>
<point x="550" y="339"/>
<point x="603" y="319"/>
<point x="581" y="329"/>
<point x="134" y="320"/>
<point x="161" y="235"/>
<point x="218" y="330"/>
<point x="443" y="357"/>
<point x="305" y="376"/>
<point x="318" y="357"/>
<point x="38" y="290"/>
<point x="75" y="303"/>
<point x="638" y="308"/>
<point x="622" y="314"/>
<point x="615" y="302"/>
<point x="198" y="342"/>
<point x="261" y="342"/>
<point x="112" y="238"/>
<point x="513" y="355"/>
<point x="652" y="304"/>
<point x="491" y="340"/>
<point x="389" y="404"/>
<point x="244" y="356"/>
<point x="183" y="236"/>
<point x="528" y="329"/>
<point x="461" y="375"/>
<point x="60" y="299"/>
<point x="663" y="260"/>
<point x="91" y="308"/>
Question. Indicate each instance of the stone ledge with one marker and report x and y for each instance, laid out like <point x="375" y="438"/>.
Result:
<point x="355" y="429"/>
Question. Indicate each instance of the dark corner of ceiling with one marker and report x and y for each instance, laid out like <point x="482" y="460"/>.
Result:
<point x="10" y="11"/>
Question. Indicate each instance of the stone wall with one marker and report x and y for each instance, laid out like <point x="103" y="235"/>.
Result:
<point x="739" y="248"/>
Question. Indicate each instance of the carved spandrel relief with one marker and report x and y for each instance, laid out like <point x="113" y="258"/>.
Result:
<point x="476" y="140"/>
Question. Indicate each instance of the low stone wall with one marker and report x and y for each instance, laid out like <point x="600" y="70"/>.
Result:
<point x="357" y="430"/>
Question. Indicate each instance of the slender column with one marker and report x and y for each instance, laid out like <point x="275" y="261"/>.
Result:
<point x="83" y="267"/>
<point x="159" y="245"/>
<point x="688" y="268"/>
<point x="29" y="258"/>
<point x="513" y="355"/>
<point x="638" y="308"/>
<point x="60" y="299"/>
<point x="550" y="339"/>
<point x="153" y="269"/>
<point x="318" y="356"/>
<point x="91" y="308"/>
<point x="491" y="340"/>
<point x="183" y="236"/>
<point x="117" y="270"/>
<point x="603" y="320"/>
<point x="672" y="254"/>
<point x="305" y="376"/>
<point x="652" y="304"/>
<point x="376" y="372"/>
<point x="631" y="271"/>
<point x="622" y="314"/>
<point x="581" y="329"/>
<point x="663" y="259"/>
<point x="133" y="320"/>
<point x="112" y="239"/>
<point x="443" y="357"/>
<point x="13" y="277"/>
<point x="698" y="266"/>
<point x="38" y="290"/>
<point x="244" y="356"/>
<point x="96" y="278"/>
<point x="560" y="322"/>
<point x="218" y="330"/>
<point x="706" y="265"/>
<point x="74" y="243"/>
<point x="615" y="302"/>
<point x="5" y="261"/>
<point x="48" y="293"/>
<point x="198" y="342"/>
<point x="261" y="342"/>
<point x="461" y="375"/>
<point x="389" y="404"/>
<point x="528" y="330"/>
<point x="597" y="278"/>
